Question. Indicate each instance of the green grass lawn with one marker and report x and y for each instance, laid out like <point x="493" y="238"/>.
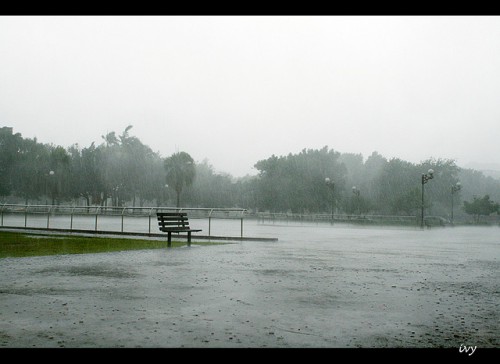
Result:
<point x="13" y="244"/>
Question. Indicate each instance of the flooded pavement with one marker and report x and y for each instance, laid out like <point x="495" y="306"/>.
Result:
<point x="318" y="286"/>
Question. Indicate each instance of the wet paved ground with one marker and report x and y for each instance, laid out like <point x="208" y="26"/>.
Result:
<point x="317" y="287"/>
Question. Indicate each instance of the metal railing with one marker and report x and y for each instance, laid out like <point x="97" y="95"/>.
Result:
<point x="31" y="213"/>
<point x="346" y="218"/>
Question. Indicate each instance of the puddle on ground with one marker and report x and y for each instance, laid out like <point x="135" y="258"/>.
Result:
<point x="92" y="270"/>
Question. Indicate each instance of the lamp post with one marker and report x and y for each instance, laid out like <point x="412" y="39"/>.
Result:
<point x="457" y="187"/>
<point x="115" y="199"/>
<point x="356" y="191"/>
<point x="331" y="185"/>
<point x="425" y="177"/>
<point x="52" y="187"/>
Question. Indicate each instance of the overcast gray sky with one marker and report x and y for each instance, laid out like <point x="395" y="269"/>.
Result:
<point x="237" y="89"/>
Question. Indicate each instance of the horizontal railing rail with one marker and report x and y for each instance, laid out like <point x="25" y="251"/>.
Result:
<point x="309" y="217"/>
<point x="100" y="212"/>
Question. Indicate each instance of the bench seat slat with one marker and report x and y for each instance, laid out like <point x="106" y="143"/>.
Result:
<point x="177" y="217"/>
<point x="162" y="223"/>
<point x="170" y="214"/>
<point x="172" y="217"/>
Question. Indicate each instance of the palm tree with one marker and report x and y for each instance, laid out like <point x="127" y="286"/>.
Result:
<point x="180" y="170"/>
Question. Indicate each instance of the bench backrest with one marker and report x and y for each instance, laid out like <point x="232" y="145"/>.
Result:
<point x="172" y="220"/>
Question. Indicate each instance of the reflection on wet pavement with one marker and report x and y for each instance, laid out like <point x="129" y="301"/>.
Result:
<point x="315" y="287"/>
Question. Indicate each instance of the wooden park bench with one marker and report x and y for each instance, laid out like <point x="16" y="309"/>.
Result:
<point x="174" y="222"/>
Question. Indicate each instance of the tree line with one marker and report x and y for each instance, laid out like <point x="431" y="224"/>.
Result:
<point x="121" y="171"/>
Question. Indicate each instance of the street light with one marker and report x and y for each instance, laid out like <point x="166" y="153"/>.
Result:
<point x="331" y="185"/>
<point x="425" y="178"/>
<point x="52" y="187"/>
<point x="454" y="189"/>
<point x="356" y="191"/>
<point x="115" y="199"/>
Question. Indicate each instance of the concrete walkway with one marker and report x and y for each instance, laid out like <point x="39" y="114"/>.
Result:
<point x="316" y="287"/>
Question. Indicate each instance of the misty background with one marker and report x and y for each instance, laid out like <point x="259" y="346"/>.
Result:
<point x="263" y="107"/>
<point x="123" y="171"/>
<point x="237" y="89"/>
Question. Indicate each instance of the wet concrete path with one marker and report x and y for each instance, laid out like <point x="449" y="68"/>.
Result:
<point x="318" y="286"/>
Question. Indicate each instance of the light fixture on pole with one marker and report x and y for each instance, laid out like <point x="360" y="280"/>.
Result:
<point x="425" y="177"/>
<point x="53" y="187"/>
<point x="457" y="187"/>
<point x="356" y="191"/>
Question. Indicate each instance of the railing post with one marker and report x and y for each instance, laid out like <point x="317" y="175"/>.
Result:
<point x="210" y="221"/>
<point x="123" y="213"/>
<point x="48" y="216"/>
<point x="150" y="212"/>
<point x="26" y="215"/>
<point x="71" y="219"/>
<point x="96" y="213"/>
<point x="1" y="211"/>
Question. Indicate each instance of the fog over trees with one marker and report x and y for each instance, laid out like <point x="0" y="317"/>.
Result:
<point x="122" y="171"/>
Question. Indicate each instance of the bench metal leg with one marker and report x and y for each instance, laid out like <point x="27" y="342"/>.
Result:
<point x="169" y="241"/>
<point x="189" y="238"/>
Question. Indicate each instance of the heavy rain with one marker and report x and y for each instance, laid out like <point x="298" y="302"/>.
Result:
<point x="349" y="167"/>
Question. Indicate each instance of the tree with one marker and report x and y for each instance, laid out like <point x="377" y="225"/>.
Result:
<point x="181" y="172"/>
<point x="396" y="184"/>
<point x="481" y="207"/>
<point x="410" y="202"/>
<point x="353" y="164"/>
<point x="10" y="145"/>
<point x="86" y="177"/>
<point x="210" y="188"/>
<point x="129" y="169"/>
<point x="438" y="190"/>
<point x="370" y="176"/>
<point x="296" y="182"/>
<point x="33" y="170"/>
<point x="59" y="174"/>
<point x="358" y="205"/>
